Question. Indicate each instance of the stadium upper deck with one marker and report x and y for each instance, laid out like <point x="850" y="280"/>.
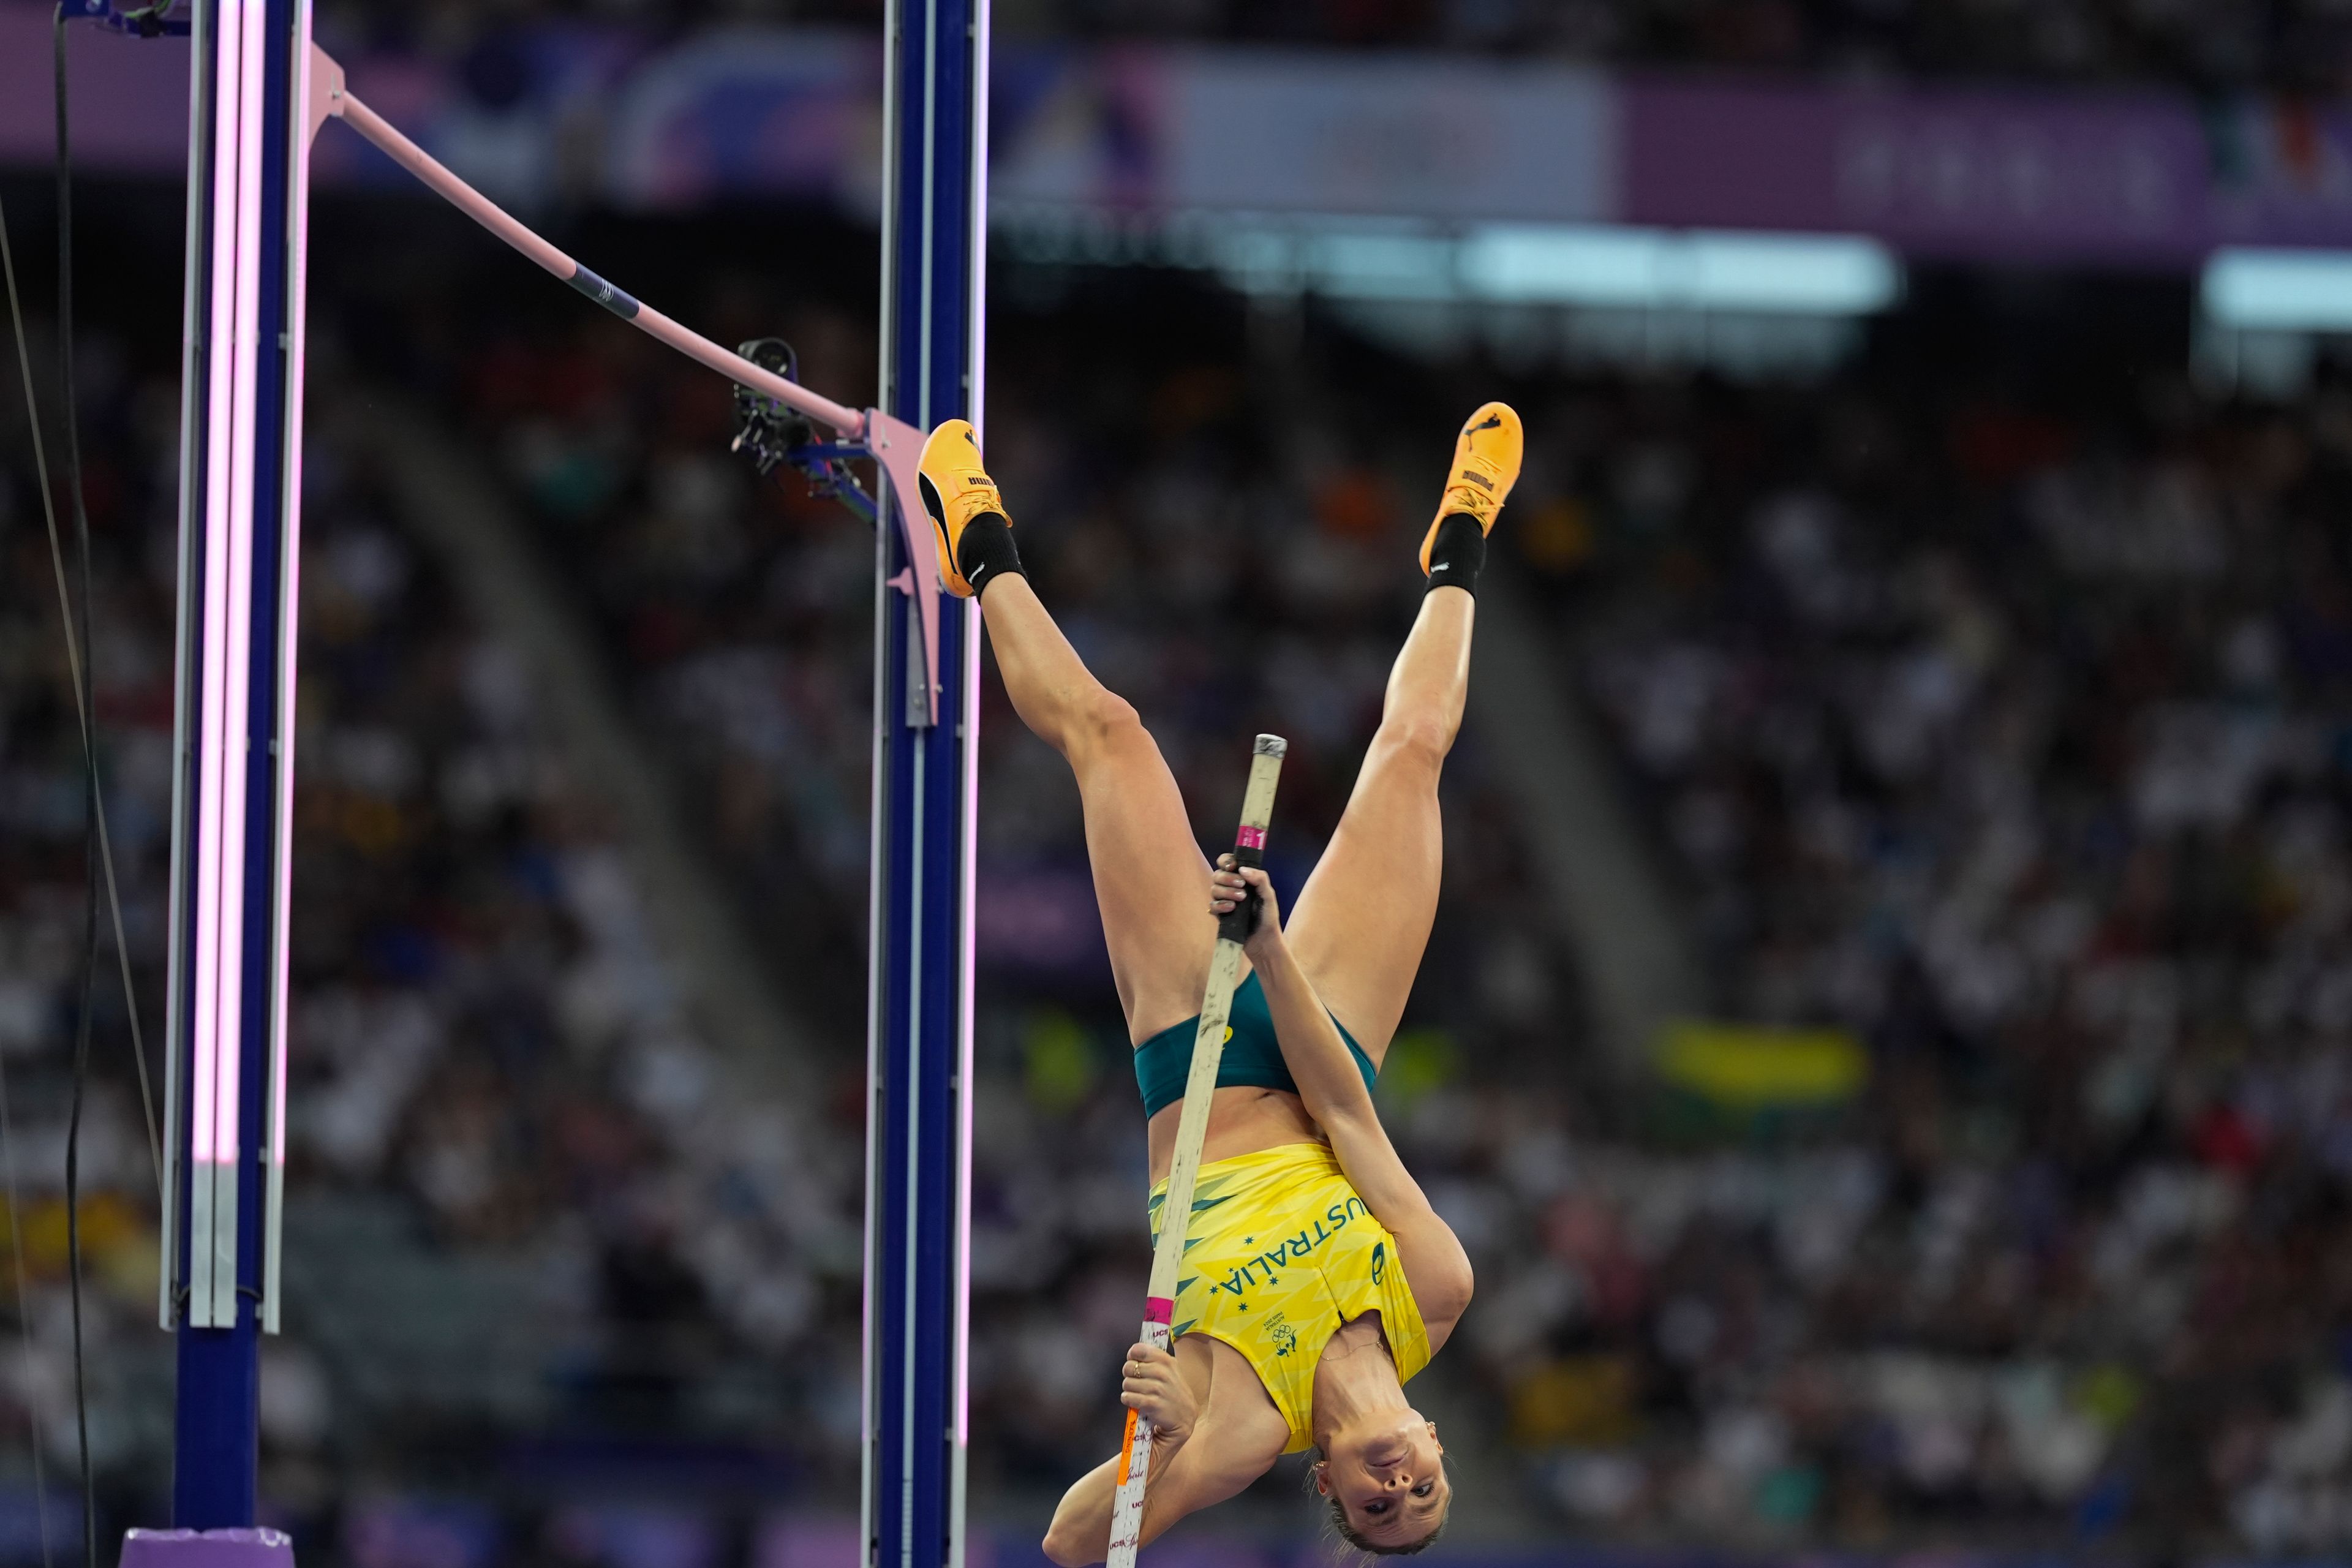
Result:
<point x="2291" y="44"/>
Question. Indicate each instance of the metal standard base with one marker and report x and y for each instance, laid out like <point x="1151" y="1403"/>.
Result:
<point x="207" y="1549"/>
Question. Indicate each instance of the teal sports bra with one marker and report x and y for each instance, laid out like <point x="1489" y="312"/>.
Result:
<point x="1252" y="1056"/>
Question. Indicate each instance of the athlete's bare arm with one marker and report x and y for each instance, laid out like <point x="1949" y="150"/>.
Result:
<point x="1209" y="1441"/>
<point x="1336" y="1098"/>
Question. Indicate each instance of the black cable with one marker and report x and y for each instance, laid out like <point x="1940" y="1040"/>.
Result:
<point x="97" y="851"/>
<point x="85" y="710"/>
<point x="7" y="1132"/>
<point x="80" y="632"/>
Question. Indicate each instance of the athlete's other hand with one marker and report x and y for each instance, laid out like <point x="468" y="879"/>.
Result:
<point x="1151" y="1383"/>
<point x="1230" y="885"/>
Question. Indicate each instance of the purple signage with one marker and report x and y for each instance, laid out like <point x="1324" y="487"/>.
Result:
<point x="2036" y="176"/>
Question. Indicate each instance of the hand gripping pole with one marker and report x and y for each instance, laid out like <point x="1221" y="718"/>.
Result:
<point x="894" y="444"/>
<point x="1191" y="1131"/>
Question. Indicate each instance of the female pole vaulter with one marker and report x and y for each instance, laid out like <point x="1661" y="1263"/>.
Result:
<point x="1321" y="1279"/>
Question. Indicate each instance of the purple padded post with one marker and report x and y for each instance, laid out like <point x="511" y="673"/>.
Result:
<point x="207" y="1549"/>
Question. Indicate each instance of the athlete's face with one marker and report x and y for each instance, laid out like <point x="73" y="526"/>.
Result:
<point x="1390" y="1480"/>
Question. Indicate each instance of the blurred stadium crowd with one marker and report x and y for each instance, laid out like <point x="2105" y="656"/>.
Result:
<point x="2006" y="731"/>
<point x="523" y="1200"/>
<point x="2298" y="45"/>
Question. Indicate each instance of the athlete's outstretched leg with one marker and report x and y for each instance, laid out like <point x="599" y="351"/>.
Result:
<point x="1360" y="923"/>
<point x="1150" y="878"/>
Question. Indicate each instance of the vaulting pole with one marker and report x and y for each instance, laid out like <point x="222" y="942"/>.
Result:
<point x="919" y="1046"/>
<point x="240" y="483"/>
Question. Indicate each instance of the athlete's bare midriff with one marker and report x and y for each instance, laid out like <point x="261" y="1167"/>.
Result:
<point x="1242" y="1120"/>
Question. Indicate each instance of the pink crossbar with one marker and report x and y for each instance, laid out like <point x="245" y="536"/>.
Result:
<point x="849" y="421"/>
<point x="893" y="442"/>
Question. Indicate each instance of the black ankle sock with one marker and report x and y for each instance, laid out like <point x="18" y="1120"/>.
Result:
<point x="1458" y="553"/>
<point x="986" y="551"/>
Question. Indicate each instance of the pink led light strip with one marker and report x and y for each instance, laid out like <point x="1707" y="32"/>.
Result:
<point x="220" y="507"/>
<point x="243" y="441"/>
<point x="231" y="442"/>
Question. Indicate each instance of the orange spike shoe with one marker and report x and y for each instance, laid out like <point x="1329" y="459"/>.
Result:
<point x="956" y="490"/>
<point x="1485" y="465"/>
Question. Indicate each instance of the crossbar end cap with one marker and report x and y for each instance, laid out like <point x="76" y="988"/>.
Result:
<point x="1272" y="746"/>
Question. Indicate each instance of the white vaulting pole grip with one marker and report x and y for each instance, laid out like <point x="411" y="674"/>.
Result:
<point x="1191" y="1131"/>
